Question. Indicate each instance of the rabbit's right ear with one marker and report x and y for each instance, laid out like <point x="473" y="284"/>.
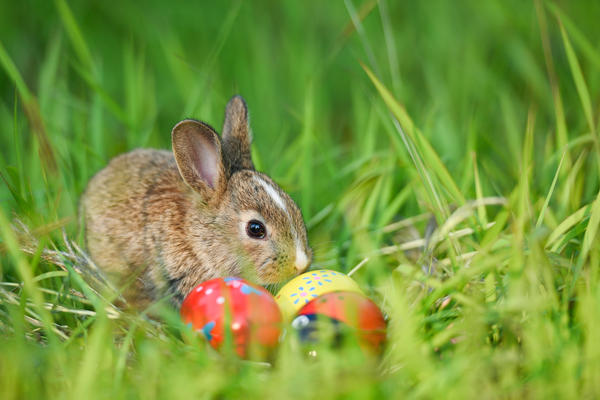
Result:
<point x="237" y="136"/>
<point x="197" y="151"/>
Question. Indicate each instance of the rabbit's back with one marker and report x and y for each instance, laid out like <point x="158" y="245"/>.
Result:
<point x="126" y="205"/>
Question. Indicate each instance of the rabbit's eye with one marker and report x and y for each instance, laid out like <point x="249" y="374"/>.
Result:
<point x="256" y="229"/>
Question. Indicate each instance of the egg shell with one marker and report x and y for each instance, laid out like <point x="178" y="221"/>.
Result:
<point x="233" y="306"/>
<point x="310" y="285"/>
<point x="354" y="310"/>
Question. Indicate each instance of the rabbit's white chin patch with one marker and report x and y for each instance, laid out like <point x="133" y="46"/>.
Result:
<point x="301" y="259"/>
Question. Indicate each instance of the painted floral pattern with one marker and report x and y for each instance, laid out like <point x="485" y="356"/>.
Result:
<point x="310" y="282"/>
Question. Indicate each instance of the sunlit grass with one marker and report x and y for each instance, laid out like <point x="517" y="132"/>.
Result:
<point x="446" y="153"/>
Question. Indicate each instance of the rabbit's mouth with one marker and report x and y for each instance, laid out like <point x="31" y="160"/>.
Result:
<point x="270" y="274"/>
<point x="265" y="263"/>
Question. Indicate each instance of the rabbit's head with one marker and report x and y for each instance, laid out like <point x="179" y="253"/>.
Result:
<point x="242" y="221"/>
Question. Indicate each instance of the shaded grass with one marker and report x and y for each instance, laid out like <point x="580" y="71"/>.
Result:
<point x="471" y="115"/>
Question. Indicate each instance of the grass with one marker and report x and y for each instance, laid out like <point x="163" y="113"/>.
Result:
<point x="378" y="118"/>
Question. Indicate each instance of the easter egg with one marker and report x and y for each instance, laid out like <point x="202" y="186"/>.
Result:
<point x="310" y="285"/>
<point x="236" y="312"/>
<point x="342" y="313"/>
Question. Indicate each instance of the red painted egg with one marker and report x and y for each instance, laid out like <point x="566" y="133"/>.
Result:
<point x="234" y="308"/>
<point x="353" y="310"/>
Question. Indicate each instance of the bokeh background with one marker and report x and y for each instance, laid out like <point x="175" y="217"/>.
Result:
<point x="110" y="78"/>
<point x="504" y="95"/>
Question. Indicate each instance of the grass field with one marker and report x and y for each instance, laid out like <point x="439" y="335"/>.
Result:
<point x="377" y="118"/>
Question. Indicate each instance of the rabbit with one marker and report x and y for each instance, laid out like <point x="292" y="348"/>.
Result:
<point x="162" y="222"/>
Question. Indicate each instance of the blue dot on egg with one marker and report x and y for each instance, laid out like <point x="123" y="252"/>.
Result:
<point x="207" y="329"/>
<point x="246" y="289"/>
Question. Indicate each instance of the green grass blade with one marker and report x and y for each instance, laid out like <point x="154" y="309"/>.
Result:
<point x="481" y="211"/>
<point x="13" y="73"/>
<point x="582" y="89"/>
<point x="33" y="111"/>
<point x="549" y="195"/>
<point x="567" y="224"/>
<point x="592" y="228"/>
<point x="584" y="44"/>
<point x="415" y="135"/>
<point x="559" y="112"/>
<point x="75" y="35"/>
<point x="31" y="288"/>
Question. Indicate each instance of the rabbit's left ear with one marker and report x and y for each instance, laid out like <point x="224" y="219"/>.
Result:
<point x="197" y="151"/>
<point x="236" y="136"/>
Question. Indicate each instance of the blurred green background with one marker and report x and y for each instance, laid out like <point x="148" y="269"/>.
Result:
<point x="504" y="100"/>
<point x="110" y="78"/>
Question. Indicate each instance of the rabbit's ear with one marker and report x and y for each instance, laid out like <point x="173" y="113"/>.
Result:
<point x="237" y="136"/>
<point x="197" y="151"/>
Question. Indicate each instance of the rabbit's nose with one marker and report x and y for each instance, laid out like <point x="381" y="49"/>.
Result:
<point x="301" y="260"/>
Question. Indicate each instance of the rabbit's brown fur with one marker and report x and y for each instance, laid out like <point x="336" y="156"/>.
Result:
<point x="168" y="221"/>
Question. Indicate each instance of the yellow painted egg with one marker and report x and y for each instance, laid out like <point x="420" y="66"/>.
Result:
<point x="310" y="285"/>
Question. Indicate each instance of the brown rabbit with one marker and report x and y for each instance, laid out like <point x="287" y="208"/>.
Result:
<point x="167" y="221"/>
